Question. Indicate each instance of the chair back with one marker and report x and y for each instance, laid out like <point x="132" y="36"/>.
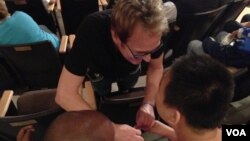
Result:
<point x="34" y="107"/>
<point x="134" y="95"/>
<point x="238" y="112"/>
<point x="195" y="26"/>
<point x="122" y="107"/>
<point x="232" y="11"/>
<point x="7" y="79"/>
<point x="74" y="11"/>
<point x="37" y="64"/>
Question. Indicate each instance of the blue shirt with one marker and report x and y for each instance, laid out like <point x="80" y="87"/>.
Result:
<point x="20" y="28"/>
<point x="244" y="41"/>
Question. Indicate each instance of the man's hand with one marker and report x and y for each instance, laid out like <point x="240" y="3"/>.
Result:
<point x="24" y="133"/>
<point x="145" y="117"/>
<point x="125" y="132"/>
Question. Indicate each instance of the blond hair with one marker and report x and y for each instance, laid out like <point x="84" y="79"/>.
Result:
<point x="127" y="13"/>
<point x="3" y="10"/>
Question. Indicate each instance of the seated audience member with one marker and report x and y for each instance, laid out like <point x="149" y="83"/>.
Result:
<point x="193" y="99"/>
<point x="85" y="125"/>
<point x="20" y="28"/>
<point x="231" y="46"/>
<point x="75" y="126"/>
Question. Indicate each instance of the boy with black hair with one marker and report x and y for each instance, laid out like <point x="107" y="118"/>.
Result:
<point x="193" y="99"/>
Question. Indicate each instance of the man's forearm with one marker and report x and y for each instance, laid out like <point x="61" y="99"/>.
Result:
<point x="68" y="95"/>
<point x="153" y="82"/>
<point x="71" y="102"/>
<point x="150" y="93"/>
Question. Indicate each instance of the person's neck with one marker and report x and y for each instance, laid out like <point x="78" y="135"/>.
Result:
<point x="186" y="133"/>
<point x="1" y="21"/>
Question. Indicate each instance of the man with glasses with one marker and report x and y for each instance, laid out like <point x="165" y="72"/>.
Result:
<point x="109" y="47"/>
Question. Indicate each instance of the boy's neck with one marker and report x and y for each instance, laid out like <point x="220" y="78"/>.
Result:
<point x="186" y="133"/>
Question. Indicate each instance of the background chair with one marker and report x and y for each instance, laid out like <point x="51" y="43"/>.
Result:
<point x="7" y="77"/>
<point x="196" y="26"/>
<point x="38" y="65"/>
<point x="238" y="112"/>
<point x="34" y="107"/>
<point x="122" y="107"/>
<point x="5" y="102"/>
<point x="232" y="11"/>
<point x="74" y="11"/>
<point x="242" y="83"/>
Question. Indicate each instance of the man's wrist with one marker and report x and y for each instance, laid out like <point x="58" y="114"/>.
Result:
<point x="151" y="103"/>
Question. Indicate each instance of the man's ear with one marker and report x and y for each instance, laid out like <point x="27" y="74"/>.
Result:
<point x="115" y="37"/>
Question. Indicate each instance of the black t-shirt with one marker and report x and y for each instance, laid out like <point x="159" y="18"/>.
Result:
<point x="94" y="49"/>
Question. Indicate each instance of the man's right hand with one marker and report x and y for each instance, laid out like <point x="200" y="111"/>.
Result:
<point x="125" y="132"/>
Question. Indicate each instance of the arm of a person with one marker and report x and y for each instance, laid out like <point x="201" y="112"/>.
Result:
<point x="67" y="95"/>
<point x="125" y="132"/>
<point x="246" y="24"/>
<point x="145" y="116"/>
<point x="234" y="34"/>
<point x="162" y="129"/>
<point x="154" y="74"/>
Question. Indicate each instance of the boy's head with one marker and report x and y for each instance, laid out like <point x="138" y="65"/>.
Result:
<point x="196" y="89"/>
<point x="80" y="126"/>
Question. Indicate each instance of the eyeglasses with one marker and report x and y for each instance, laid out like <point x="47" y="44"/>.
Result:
<point x="139" y="56"/>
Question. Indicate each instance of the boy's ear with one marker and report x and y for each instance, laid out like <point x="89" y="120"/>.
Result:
<point x="174" y="116"/>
